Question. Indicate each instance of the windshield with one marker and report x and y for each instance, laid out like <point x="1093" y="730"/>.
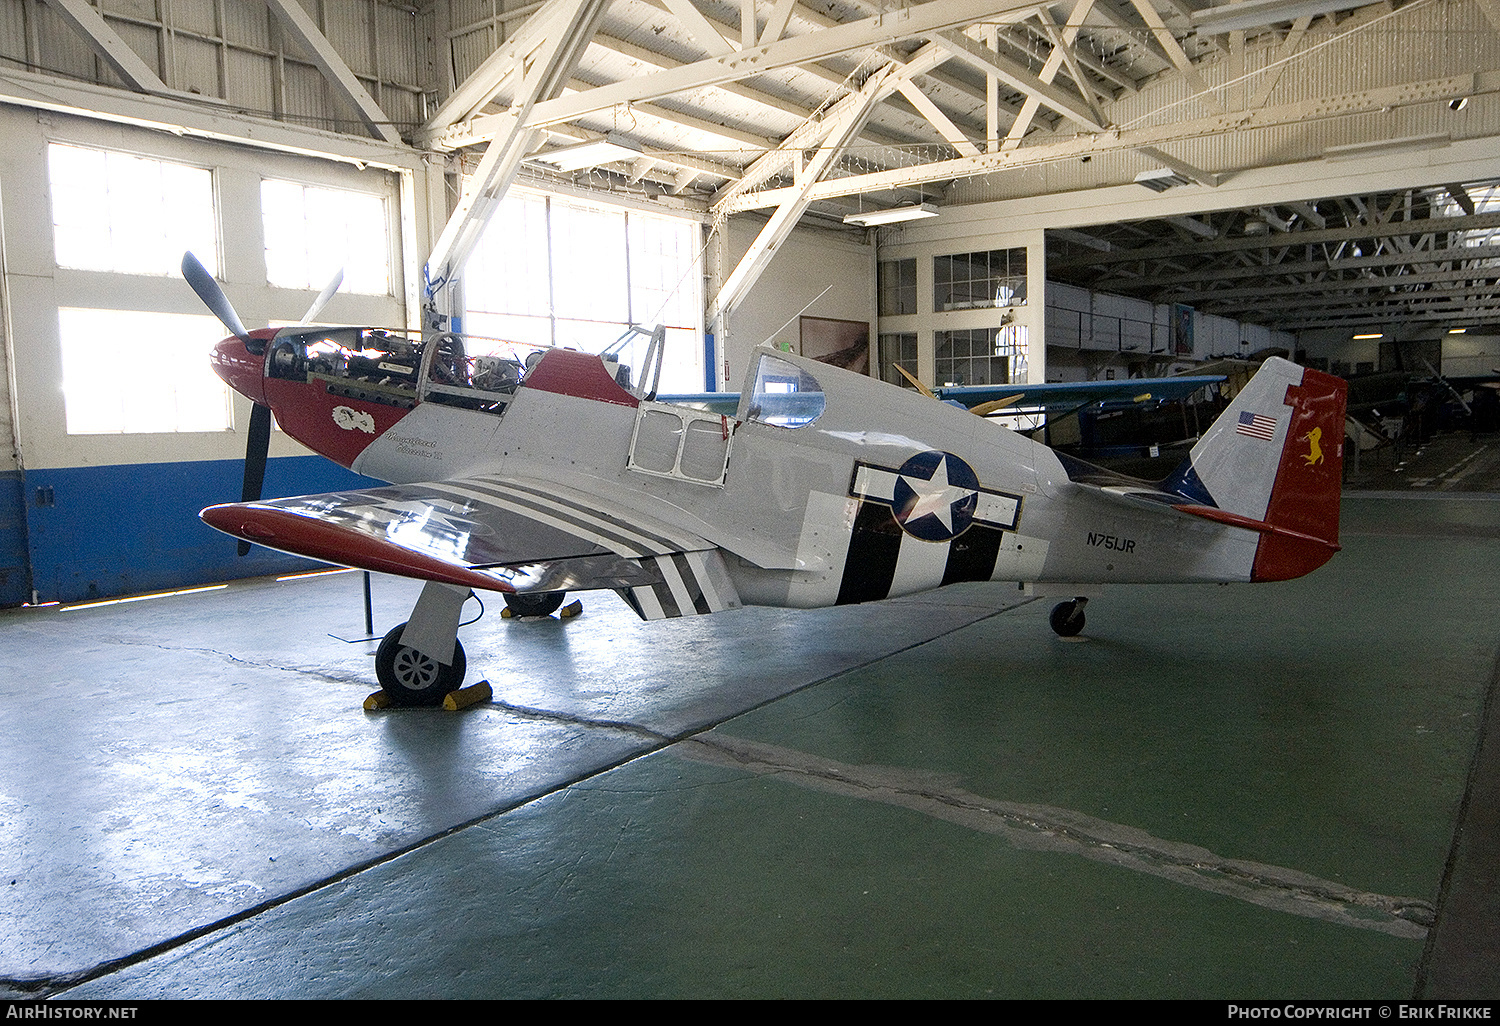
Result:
<point x="785" y="395"/>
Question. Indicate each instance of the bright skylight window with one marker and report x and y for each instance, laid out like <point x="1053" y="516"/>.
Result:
<point x="311" y="232"/>
<point x="553" y="271"/>
<point x="174" y="390"/>
<point x="131" y="215"/>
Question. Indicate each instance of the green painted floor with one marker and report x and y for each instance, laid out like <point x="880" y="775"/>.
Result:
<point x="1220" y="792"/>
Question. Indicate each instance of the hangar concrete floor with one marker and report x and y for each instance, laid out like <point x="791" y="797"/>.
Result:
<point x="1218" y="791"/>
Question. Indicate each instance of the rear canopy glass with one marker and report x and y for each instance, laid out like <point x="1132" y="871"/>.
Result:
<point x="785" y="395"/>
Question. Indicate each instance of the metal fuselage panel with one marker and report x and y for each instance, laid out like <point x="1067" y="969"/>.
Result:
<point x="836" y="510"/>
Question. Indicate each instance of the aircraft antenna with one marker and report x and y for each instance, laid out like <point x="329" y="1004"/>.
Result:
<point x="794" y="316"/>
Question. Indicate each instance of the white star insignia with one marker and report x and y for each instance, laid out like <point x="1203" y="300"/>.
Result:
<point x="394" y="515"/>
<point x="936" y="497"/>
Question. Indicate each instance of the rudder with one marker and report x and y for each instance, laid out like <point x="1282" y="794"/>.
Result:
<point x="1275" y="459"/>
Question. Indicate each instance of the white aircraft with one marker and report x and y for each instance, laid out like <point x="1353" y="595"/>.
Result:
<point x="823" y="487"/>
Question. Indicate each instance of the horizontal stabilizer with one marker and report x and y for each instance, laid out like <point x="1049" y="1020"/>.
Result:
<point x="1235" y="520"/>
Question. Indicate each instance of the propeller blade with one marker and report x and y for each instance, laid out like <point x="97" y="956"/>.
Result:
<point x="323" y="297"/>
<point x="257" y="448"/>
<point x="915" y="383"/>
<point x="213" y="297"/>
<point x="994" y="405"/>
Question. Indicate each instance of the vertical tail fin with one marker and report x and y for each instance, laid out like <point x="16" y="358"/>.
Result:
<point x="1273" y="462"/>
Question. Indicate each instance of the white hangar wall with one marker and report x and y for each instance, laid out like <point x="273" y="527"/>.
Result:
<point x="831" y="270"/>
<point x="95" y="514"/>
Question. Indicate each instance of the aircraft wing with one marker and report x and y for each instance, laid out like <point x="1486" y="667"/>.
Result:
<point x="493" y="534"/>
<point x="1058" y="396"/>
<point x="1073" y="394"/>
<point x="725" y="403"/>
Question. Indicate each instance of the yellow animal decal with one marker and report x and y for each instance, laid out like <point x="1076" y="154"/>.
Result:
<point x="1315" y="451"/>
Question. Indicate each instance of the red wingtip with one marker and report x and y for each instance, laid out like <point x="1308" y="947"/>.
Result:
<point x="301" y="535"/>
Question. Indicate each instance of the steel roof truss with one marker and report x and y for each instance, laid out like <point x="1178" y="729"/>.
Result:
<point x="920" y="20"/>
<point x="553" y="59"/>
<point x="842" y="127"/>
<point x="107" y="44"/>
<point x="304" y="30"/>
<point x="1019" y="78"/>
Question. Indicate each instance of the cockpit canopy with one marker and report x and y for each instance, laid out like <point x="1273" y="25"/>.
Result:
<point x="784" y="394"/>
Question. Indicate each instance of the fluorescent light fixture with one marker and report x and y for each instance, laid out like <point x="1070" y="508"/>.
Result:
<point x="1254" y="13"/>
<point x="1161" y="179"/>
<point x="1378" y="334"/>
<point x="1457" y="331"/>
<point x="1381" y="147"/>
<point x="590" y="154"/>
<point x="892" y="215"/>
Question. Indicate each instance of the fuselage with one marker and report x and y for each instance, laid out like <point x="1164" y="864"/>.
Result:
<point x="826" y="486"/>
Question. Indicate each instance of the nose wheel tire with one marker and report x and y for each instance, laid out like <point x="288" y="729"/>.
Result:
<point x="1067" y="619"/>
<point x="412" y="678"/>
<point x="534" y="603"/>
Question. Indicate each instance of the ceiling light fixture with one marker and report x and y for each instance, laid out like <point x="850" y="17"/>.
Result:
<point x="1254" y="13"/>
<point x="1457" y="331"/>
<point x="892" y="215"/>
<point x="1378" y="334"/>
<point x="1161" y="179"/>
<point x="1382" y="147"/>
<point x="590" y="154"/>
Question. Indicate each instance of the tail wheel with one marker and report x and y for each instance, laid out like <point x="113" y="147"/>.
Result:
<point x="1067" y="619"/>
<point x="536" y="603"/>
<point x="412" y="678"/>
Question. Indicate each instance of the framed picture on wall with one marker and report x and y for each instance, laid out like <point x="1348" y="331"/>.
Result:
<point x="843" y="344"/>
<point x="1182" y="330"/>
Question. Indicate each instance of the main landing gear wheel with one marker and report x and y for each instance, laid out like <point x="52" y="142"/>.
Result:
<point x="410" y="677"/>
<point x="1067" y="618"/>
<point x="534" y="603"/>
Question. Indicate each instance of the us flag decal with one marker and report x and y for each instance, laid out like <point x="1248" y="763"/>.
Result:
<point x="1256" y="426"/>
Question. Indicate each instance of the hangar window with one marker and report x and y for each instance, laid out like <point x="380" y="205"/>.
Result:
<point x="312" y="231"/>
<point x="549" y="271"/>
<point x="982" y="356"/>
<point x="171" y="388"/>
<point x="970" y="281"/>
<point x="130" y="215"/>
<point x="898" y="350"/>
<point x="897" y="285"/>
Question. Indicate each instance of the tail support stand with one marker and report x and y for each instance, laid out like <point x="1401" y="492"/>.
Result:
<point x="1067" y="617"/>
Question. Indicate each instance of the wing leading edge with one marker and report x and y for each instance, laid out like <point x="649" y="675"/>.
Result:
<point x="495" y="535"/>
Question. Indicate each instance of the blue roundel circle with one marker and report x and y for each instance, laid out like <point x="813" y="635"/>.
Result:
<point x="935" y="496"/>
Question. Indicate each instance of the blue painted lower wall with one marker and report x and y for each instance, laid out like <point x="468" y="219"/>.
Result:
<point x="15" y="575"/>
<point x="124" y="530"/>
